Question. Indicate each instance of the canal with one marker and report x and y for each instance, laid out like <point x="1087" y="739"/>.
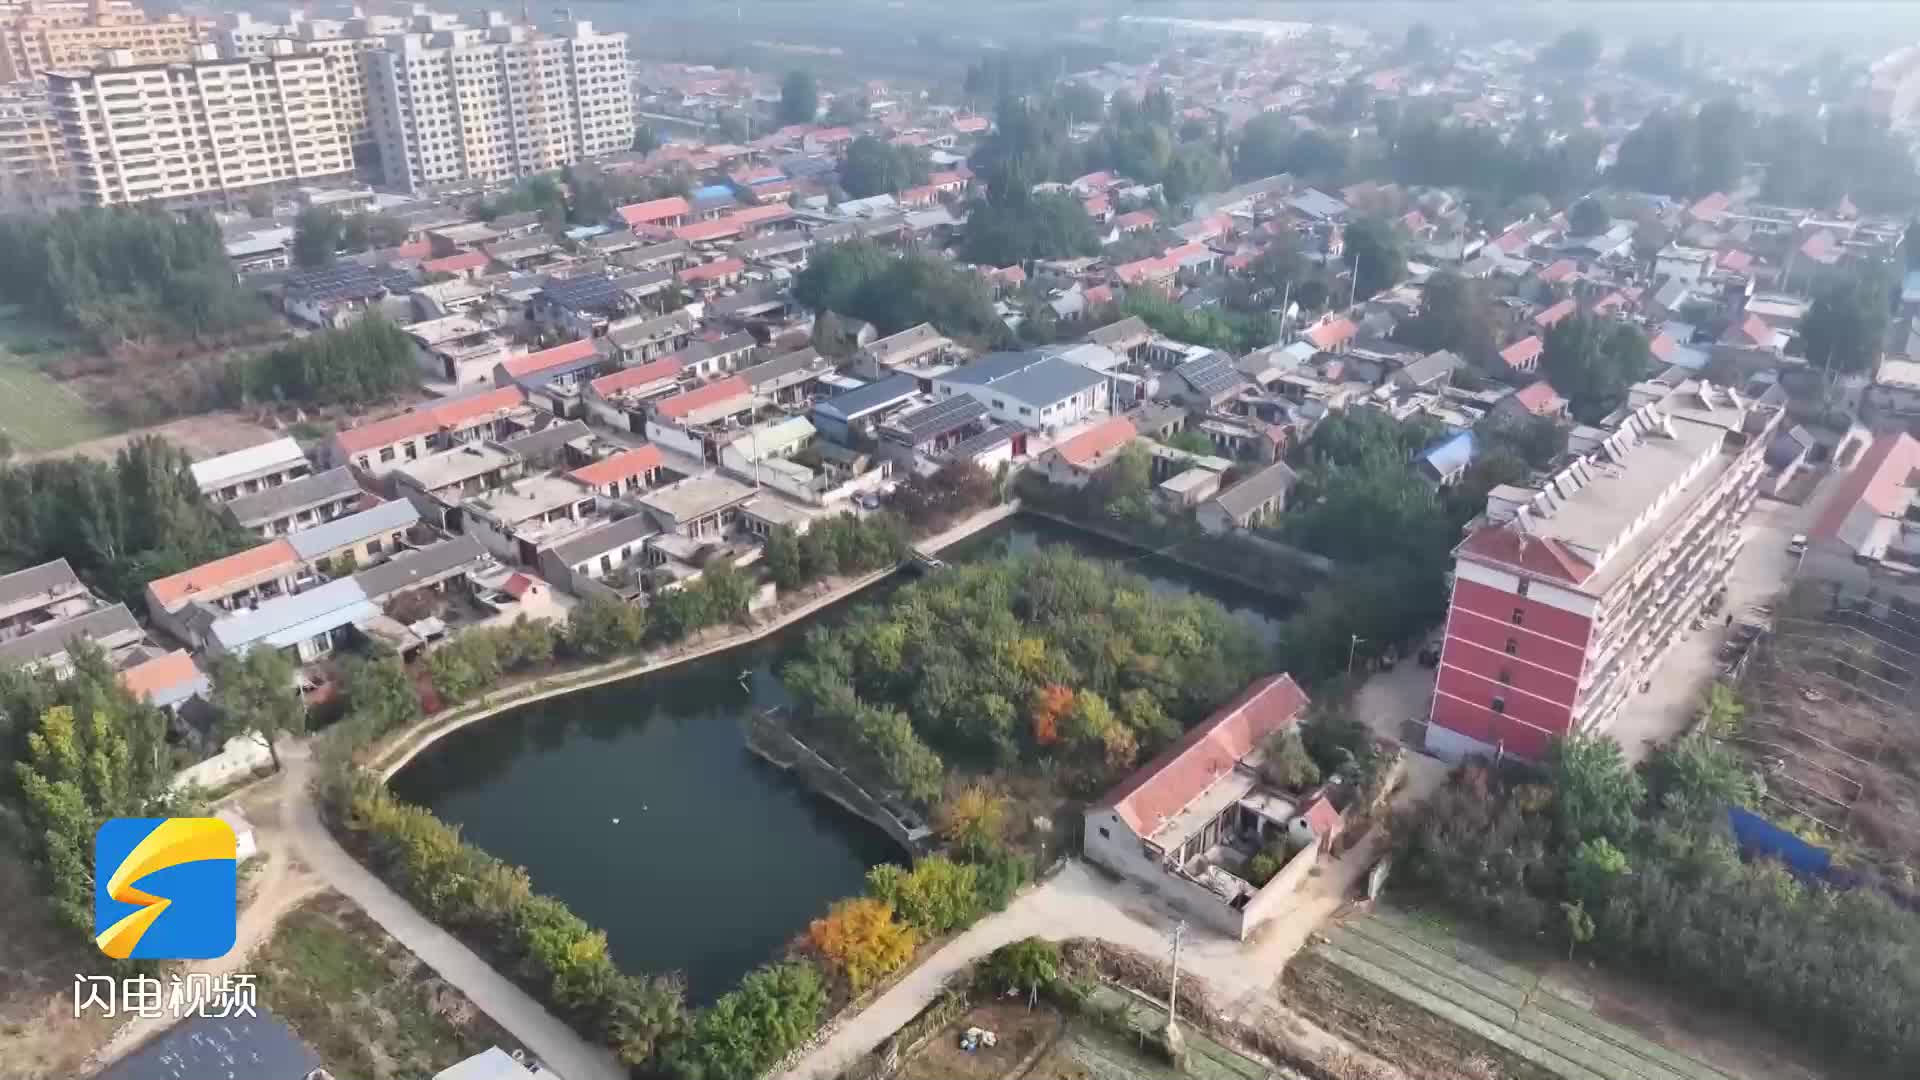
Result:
<point x="638" y="803"/>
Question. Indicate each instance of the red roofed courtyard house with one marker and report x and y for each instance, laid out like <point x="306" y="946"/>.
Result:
<point x="1566" y="597"/>
<point x="1186" y="824"/>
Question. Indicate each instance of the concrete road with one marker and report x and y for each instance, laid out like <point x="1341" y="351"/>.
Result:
<point x="559" y="1047"/>
<point x="1081" y="902"/>
<point x="1760" y="574"/>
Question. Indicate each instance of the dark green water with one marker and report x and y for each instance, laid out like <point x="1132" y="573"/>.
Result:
<point x="639" y="805"/>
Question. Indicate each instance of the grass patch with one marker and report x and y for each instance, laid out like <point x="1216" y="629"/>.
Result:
<point x="366" y="1005"/>
<point x="39" y="414"/>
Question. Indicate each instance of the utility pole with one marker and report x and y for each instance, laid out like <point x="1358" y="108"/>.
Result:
<point x="1176" y="1044"/>
<point x="1353" y="645"/>
<point x="1353" y="291"/>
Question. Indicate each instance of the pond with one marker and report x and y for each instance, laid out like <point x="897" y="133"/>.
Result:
<point x="638" y="803"/>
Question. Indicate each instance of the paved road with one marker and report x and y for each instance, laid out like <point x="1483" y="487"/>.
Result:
<point x="1079" y="902"/>
<point x="558" y="1046"/>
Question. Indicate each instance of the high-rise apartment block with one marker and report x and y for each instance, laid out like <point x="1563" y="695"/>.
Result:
<point x="37" y="36"/>
<point x="1567" y="596"/>
<point x="200" y="130"/>
<point x="347" y="41"/>
<point x="489" y="104"/>
<point x="33" y="158"/>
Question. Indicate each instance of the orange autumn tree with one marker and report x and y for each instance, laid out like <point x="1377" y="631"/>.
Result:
<point x="860" y="939"/>
<point x="1049" y="703"/>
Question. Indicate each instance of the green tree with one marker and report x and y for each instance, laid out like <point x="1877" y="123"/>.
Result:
<point x="1698" y="775"/>
<point x="1592" y="869"/>
<point x="603" y="627"/>
<point x="83" y="763"/>
<point x="1592" y="362"/>
<point x="124" y="273"/>
<point x="1720" y="710"/>
<point x="1846" y="327"/>
<point x="1455" y="314"/>
<point x="773" y="1010"/>
<point x="874" y="167"/>
<point x="317" y="236"/>
<point x="120" y="524"/>
<point x="1004" y="231"/>
<point x="378" y="690"/>
<point x="1594" y="792"/>
<point x="258" y="696"/>
<point x="1287" y="764"/>
<point x="1375" y="255"/>
<point x="1588" y="218"/>
<point x="938" y="895"/>
<point x="367" y="360"/>
<point x="799" y="99"/>
<point x="1027" y="964"/>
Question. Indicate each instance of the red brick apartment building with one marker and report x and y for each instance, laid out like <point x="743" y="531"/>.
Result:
<point x="1566" y="596"/>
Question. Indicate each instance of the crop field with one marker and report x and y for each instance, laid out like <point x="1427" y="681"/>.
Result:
<point x="1416" y="995"/>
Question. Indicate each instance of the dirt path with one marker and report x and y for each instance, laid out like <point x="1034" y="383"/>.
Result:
<point x="1079" y="902"/>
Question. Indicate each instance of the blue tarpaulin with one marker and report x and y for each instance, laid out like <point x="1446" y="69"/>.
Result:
<point x="1758" y="836"/>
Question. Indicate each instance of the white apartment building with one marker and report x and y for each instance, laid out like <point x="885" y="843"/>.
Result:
<point x="33" y="159"/>
<point x="494" y="103"/>
<point x="198" y="130"/>
<point x="347" y="41"/>
<point x="37" y="36"/>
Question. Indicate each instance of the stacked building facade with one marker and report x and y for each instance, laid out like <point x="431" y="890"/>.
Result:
<point x="440" y="102"/>
<point x="1567" y="596"/>
<point x="489" y="104"/>
<point x="198" y="130"/>
<point x="37" y="36"/>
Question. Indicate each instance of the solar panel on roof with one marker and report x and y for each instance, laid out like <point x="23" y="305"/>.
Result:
<point x="1209" y="375"/>
<point x="986" y="440"/>
<point x="584" y="293"/>
<point x="340" y="281"/>
<point x="938" y="419"/>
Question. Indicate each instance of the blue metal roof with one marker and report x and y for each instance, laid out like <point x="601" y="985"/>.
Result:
<point x="1029" y="376"/>
<point x="338" y="533"/>
<point x="289" y="620"/>
<point x="713" y="191"/>
<point x="875" y="395"/>
<point x="1450" y="454"/>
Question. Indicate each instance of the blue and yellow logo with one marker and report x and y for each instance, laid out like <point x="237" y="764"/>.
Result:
<point x="165" y="888"/>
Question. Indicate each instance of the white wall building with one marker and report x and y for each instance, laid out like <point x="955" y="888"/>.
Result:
<point x="494" y="103"/>
<point x="198" y="130"/>
<point x="1035" y="391"/>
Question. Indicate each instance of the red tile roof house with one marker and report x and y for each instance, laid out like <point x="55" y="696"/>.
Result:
<point x="1552" y="315"/>
<point x="626" y="473"/>
<point x="1523" y="355"/>
<point x="1074" y="462"/>
<point x="1183" y="825"/>
<point x="667" y="212"/>
<point x="380" y="445"/>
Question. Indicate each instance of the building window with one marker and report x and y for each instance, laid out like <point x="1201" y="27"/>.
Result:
<point x="1506" y="677"/>
<point x="387" y="455"/>
<point x="1513" y="646"/>
<point x="1519" y="617"/>
<point x="1500" y="705"/>
<point x="1522" y="590"/>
